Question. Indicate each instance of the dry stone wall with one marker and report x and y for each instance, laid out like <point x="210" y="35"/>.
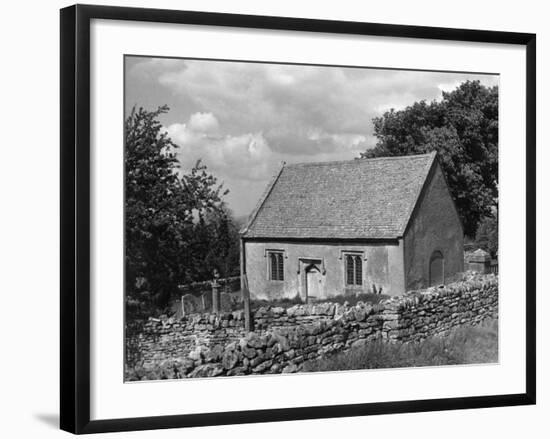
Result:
<point x="206" y="345"/>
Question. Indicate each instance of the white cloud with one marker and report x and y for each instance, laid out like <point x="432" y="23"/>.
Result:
<point x="246" y="156"/>
<point x="242" y="119"/>
<point x="203" y="122"/>
<point x="288" y="102"/>
<point x="151" y="68"/>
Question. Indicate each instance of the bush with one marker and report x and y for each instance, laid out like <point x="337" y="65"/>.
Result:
<point x="487" y="236"/>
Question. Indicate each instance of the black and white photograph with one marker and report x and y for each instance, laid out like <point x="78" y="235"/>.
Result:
<point x="275" y="219"/>
<point x="295" y="218"/>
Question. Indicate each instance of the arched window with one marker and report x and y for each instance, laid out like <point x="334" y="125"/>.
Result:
<point x="354" y="270"/>
<point x="437" y="268"/>
<point x="276" y="266"/>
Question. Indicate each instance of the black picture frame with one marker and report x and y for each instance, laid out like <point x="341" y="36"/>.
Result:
<point x="75" y="217"/>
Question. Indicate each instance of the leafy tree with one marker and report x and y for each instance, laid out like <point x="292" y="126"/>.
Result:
<point x="164" y="212"/>
<point x="487" y="235"/>
<point x="223" y="253"/>
<point x="463" y="129"/>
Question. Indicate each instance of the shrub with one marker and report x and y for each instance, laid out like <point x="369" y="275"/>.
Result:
<point x="487" y="236"/>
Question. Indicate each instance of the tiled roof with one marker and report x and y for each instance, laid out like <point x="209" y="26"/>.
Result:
<point x="356" y="199"/>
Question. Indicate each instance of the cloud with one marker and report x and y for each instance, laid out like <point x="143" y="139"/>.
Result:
<point x="242" y="119"/>
<point x="245" y="163"/>
<point x="203" y="122"/>
<point x="287" y="102"/>
<point x="246" y="156"/>
<point x="150" y="68"/>
<point x="242" y="163"/>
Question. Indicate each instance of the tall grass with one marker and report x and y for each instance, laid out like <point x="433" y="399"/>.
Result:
<point x="463" y="345"/>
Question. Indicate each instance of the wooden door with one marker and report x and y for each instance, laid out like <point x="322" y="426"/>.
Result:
<point x="436" y="269"/>
<point x="314" y="281"/>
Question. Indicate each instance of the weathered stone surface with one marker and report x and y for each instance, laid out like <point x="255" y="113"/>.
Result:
<point x="214" y="354"/>
<point x="391" y="324"/>
<point x="237" y="371"/>
<point x="290" y="354"/>
<point x="359" y="343"/>
<point x="291" y="368"/>
<point x="231" y="346"/>
<point x="256" y="341"/>
<point x="276" y="349"/>
<point x="360" y="314"/>
<point x="248" y="352"/>
<point x="313" y="328"/>
<point x="196" y="354"/>
<point x="207" y="370"/>
<point x="204" y="345"/>
<point x="230" y="359"/>
<point x="184" y="365"/>
<point x="257" y="360"/>
<point x="262" y="366"/>
<point x="281" y="340"/>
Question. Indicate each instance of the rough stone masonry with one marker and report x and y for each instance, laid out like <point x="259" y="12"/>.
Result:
<point x="207" y="345"/>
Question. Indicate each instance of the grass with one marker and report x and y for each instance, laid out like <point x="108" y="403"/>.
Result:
<point x="236" y="302"/>
<point x="283" y="303"/>
<point x="463" y="345"/>
<point x="353" y="299"/>
<point x="290" y="302"/>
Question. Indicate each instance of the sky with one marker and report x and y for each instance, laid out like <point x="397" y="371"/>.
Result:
<point x="244" y="119"/>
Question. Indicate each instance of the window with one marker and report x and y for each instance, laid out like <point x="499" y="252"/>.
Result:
<point x="276" y="266"/>
<point x="354" y="270"/>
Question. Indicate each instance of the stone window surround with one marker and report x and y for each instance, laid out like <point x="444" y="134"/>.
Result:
<point x="343" y="258"/>
<point x="267" y="254"/>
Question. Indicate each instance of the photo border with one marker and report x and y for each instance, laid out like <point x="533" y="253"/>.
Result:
<point x="75" y="217"/>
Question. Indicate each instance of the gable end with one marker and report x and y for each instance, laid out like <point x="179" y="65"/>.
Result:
<point x="432" y="169"/>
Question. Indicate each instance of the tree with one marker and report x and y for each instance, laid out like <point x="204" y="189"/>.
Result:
<point x="463" y="129"/>
<point x="164" y="211"/>
<point x="487" y="235"/>
<point x="223" y="252"/>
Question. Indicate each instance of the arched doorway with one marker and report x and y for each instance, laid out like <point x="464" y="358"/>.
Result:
<point x="437" y="269"/>
<point x="314" y="282"/>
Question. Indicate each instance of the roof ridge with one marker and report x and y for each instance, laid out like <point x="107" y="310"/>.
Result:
<point x="359" y="160"/>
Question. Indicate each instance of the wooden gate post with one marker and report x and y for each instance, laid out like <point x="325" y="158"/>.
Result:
<point x="215" y="297"/>
<point x="248" y="320"/>
<point x="215" y="293"/>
